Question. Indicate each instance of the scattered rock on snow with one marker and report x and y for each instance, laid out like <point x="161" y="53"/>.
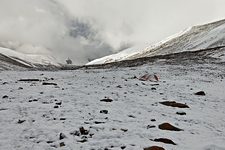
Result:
<point x="62" y="136"/>
<point x="150" y="126"/>
<point x="99" y="122"/>
<point x="62" y="144"/>
<point x="20" y="88"/>
<point x="164" y="140"/>
<point x="181" y="113"/>
<point x="75" y="133"/>
<point x="200" y="93"/>
<point x="167" y="126"/>
<point x="20" y="121"/>
<point x="5" y="96"/>
<point x="104" y="111"/>
<point x="124" y="130"/>
<point x="106" y="100"/>
<point x="83" y="131"/>
<point x="29" y="80"/>
<point x="174" y="104"/>
<point x="154" y="148"/>
<point x="48" y="83"/>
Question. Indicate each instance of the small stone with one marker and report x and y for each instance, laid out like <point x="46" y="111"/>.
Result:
<point x="154" y="148"/>
<point x="56" y="106"/>
<point x="181" y="113"/>
<point x="123" y="147"/>
<point x="21" y="121"/>
<point x="5" y="96"/>
<point x="153" y="89"/>
<point x="49" y="142"/>
<point x="47" y="83"/>
<point x="124" y="130"/>
<point x="164" y="140"/>
<point x="167" y="126"/>
<point x="106" y="100"/>
<point x="75" y="133"/>
<point x="62" y="136"/>
<point x="104" y="111"/>
<point x="20" y="88"/>
<point x="59" y="103"/>
<point x="153" y="120"/>
<point x="83" y="131"/>
<point x="151" y="126"/>
<point x="174" y="104"/>
<point x="200" y="93"/>
<point x="62" y="144"/>
<point x="131" y="116"/>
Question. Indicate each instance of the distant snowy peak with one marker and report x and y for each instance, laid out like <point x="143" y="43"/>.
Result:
<point x="10" y="58"/>
<point x="192" y="39"/>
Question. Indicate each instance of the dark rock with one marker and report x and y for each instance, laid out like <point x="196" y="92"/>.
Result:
<point x="104" y="111"/>
<point x="150" y="126"/>
<point x="5" y="96"/>
<point x="164" y="140"/>
<point x="48" y="83"/>
<point x="181" y="113"/>
<point x="167" y="126"/>
<point x="62" y="136"/>
<point x="131" y="116"/>
<point x="62" y="144"/>
<point x="20" y="88"/>
<point x="62" y="119"/>
<point x="153" y="89"/>
<point x="49" y="142"/>
<point x="154" y="148"/>
<point x="124" y="130"/>
<point x="58" y="103"/>
<point x="153" y="120"/>
<point x="75" y="133"/>
<point x="99" y="122"/>
<point x="106" y="100"/>
<point x="123" y="147"/>
<point x="119" y="86"/>
<point x="174" y="104"/>
<point x="21" y="121"/>
<point x="200" y="93"/>
<point x="29" y="80"/>
<point x="83" y="131"/>
<point x="56" y="106"/>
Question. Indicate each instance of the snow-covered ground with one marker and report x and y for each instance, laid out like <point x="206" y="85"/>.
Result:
<point x="46" y="117"/>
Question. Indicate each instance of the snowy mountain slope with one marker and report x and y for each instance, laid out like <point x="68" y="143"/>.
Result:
<point x="47" y="117"/>
<point x="11" y="59"/>
<point x="195" y="38"/>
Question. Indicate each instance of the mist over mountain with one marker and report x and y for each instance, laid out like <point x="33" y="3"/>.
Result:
<point x="45" y="27"/>
<point x="84" y="30"/>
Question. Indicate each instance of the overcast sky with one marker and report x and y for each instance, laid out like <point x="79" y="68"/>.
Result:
<point x="146" y="20"/>
<point x="104" y="26"/>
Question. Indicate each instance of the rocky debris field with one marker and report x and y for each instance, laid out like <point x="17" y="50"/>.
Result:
<point x="150" y="107"/>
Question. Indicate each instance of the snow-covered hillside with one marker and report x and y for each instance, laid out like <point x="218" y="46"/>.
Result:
<point x="10" y="59"/>
<point x="194" y="38"/>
